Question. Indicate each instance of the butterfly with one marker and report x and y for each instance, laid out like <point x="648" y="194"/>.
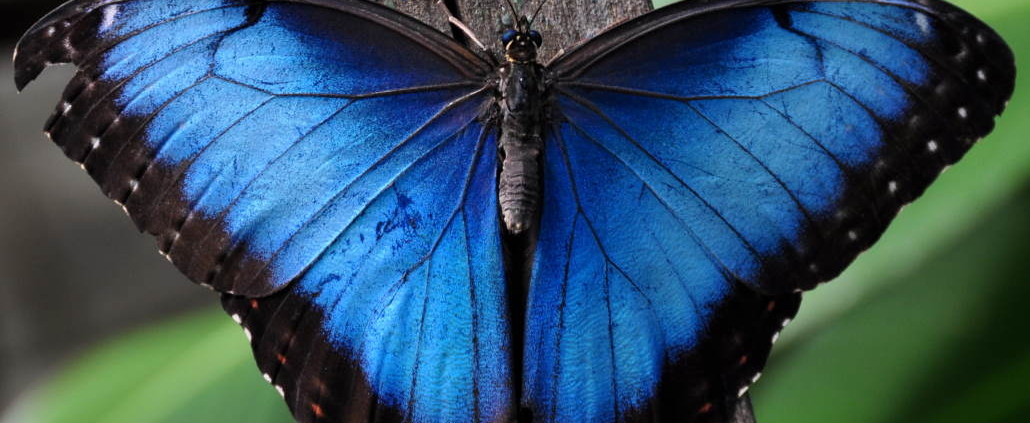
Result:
<point x="409" y="229"/>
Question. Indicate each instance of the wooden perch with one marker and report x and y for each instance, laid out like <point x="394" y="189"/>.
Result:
<point x="562" y="22"/>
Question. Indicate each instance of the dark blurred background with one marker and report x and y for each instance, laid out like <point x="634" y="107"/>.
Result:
<point x="73" y="270"/>
<point x="931" y="325"/>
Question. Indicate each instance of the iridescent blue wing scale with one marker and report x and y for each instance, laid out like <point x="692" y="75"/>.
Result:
<point x="446" y="298"/>
<point x="708" y="161"/>
<point x="323" y="165"/>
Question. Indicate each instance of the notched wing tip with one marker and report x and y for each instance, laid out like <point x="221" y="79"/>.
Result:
<point x="22" y="71"/>
<point x="21" y="81"/>
<point x="46" y="42"/>
<point x="27" y="66"/>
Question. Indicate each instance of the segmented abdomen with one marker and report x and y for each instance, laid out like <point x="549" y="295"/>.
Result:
<point x="519" y="186"/>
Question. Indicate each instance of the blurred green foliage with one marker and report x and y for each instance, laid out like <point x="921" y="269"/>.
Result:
<point x="946" y="343"/>
<point x="929" y="326"/>
<point x="195" y="369"/>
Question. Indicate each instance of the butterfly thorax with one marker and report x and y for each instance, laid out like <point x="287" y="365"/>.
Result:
<point x="522" y="99"/>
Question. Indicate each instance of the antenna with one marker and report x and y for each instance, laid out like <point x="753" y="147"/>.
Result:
<point x="541" y="6"/>
<point x="514" y="13"/>
<point x="460" y="25"/>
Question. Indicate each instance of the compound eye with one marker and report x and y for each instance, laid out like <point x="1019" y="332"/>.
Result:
<point x="535" y="36"/>
<point x="509" y="36"/>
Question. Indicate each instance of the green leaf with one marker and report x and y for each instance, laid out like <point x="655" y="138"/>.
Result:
<point x="195" y="369"/>
<point x="944" y="344"/>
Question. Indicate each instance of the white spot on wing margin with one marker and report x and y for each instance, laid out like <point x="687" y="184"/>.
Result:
<point x="923" y="23"/>
<point x="742" y="391"/>
<point x="107" y="21"/>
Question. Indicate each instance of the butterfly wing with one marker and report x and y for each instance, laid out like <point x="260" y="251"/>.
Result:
<point x="712" y="158"/>
<point x="320" y="162"/>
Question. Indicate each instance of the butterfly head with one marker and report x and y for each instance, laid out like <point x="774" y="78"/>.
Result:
<point x="521" y="42"/>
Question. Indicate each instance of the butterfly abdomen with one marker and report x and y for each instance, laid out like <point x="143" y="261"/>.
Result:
<point x="519" y="188"/>
<point x="522" y="100"/>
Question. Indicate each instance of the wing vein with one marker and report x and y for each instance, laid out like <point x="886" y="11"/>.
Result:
<point x="608" y="262"/>
<point x="93" y="108"/>
<point x="340" y="192"/>
<point x="149" y="118"/>
<point x="654" y="94"/>
<point x="114" y="43"/>
<point x="783" y="185"/>
<point x="362" y="96"/>
<point x="474" y="318"/>
<point x="611" y="340"/>
<point x="559" y="333"/>
<point x="182" y="169"/>
<point x="457" y="209"/>
<point x="905" y="85"/>
<point x="207" y="187"/>
<point x="421" y="335"/>
<point x="663" y="201"/>
<point x="265" y="167"/>
<point x="939" y="17"/>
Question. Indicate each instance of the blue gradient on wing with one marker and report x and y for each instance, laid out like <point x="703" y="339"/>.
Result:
<point x="732" y="53"/>
<point x="905" y="24"/>
<point x="381" y="206"/>
<point x="304" y="50"/>
<point x="239" y="157"/>
<point x="612" y="296"/>
<point x="685" y="159"/>
<point x="417" y="278"/>
<point x="153" y="85"/>
<point x="870" y="44"/>
<point x="123" y="19"/>
<point x="154" y="43"/>
<point x="184" y="126"/>
<point x="830" y="119"/>
<point x="356" y="153"/>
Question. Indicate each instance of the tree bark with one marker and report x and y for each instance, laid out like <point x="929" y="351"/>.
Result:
<point x="563" y="23"/>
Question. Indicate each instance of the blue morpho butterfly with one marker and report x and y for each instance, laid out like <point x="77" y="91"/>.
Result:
<point x="360" y="186"/>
